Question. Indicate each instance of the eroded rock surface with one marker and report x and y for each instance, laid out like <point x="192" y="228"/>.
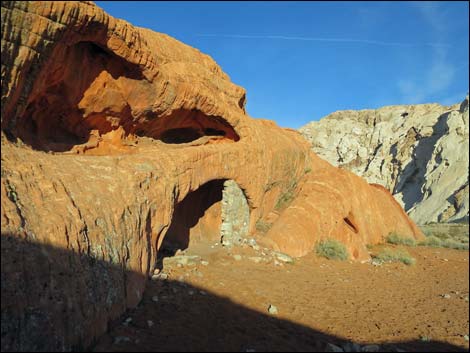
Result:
<point x="418" y="152"/>
<point x="116" y="138"/>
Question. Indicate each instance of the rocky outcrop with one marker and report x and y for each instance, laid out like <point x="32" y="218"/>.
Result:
<point x="338" y="204"/>
<point x="235" y="214"/>
<point x="418" y="152"/>
<point x="117" y="142"/>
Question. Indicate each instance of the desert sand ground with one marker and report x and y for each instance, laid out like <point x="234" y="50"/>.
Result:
<point x="221" y="304"/>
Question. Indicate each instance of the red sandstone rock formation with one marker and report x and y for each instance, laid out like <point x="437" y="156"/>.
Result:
<point x="334" y="203"/>
<point x="107" y="130"/>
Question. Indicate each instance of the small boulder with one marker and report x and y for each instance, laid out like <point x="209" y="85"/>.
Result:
<point x="283" y="257"/>
<point x="272" y="309"/>
<point x="351" y="347"/>
<point x="251" y="242"/>
<point x="330" y="347"/>
<point x="160" y="277"/>
<point x="121" y="339"/>
<point x="256" y="259"/>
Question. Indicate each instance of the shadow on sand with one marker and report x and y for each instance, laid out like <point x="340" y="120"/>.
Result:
<point x="60" y="300"/>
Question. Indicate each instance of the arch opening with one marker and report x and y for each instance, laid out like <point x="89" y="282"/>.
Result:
<point x="217" y="211"/>
<point x="183" y="126"/>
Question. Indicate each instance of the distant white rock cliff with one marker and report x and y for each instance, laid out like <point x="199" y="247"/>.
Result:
<point x="419" y="152"/>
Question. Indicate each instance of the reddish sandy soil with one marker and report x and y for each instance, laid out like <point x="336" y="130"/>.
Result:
<point x="224" y="305"/>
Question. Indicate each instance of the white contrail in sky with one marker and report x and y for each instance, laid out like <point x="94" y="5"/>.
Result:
<point x="315" y="39"/>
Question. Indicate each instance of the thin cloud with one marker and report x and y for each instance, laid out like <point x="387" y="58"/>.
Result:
<point x="318" y="39"/>
<point x="431" y="12"/>
<point x="435" y="80"/>
<point x="441" y="73"/>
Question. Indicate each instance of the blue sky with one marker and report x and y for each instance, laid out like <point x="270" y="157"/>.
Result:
<point x="300" y="61"/>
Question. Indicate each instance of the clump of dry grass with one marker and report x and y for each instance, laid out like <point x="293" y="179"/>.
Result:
<point x="452" y="236"/>
<point x="332" y="249"/>
<point x="452" y="244"/>
<point x="431" y="241"/>
<point x="262" y="226"/>
<point x="446" y="235"/>
<point x="394" y="238"/>
<point x="399" y="255"/>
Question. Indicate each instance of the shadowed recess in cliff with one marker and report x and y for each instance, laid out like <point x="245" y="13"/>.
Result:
<point x="183" y="126"/>
<point x="351" y="222"/>
<point x="85" y="91"/>
<point x="197" y="217"/>
<point x="412" y="178"/>
<point x="216" y="211"/>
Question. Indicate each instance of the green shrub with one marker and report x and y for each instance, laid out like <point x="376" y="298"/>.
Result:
<point x="389" y="255"/>
<point x="284" y="200"/>
<point x="286" y="196"/>
<point x="263" y="226"/>
<point x="456" y="232"/>
<point x="271" y="185"/>
<point x="394" y="238"/>
<point x="332" y="249"/>
<point x="431" y="241"/>
<point x="452" y="244"/>
<point x="435" y="242"/>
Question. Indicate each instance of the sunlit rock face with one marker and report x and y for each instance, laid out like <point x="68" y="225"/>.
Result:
<point x="117" y="140"/>
<point x="418" y="152"/>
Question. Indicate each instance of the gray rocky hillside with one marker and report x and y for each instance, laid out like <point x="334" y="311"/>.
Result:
<point x="419" y="152"/>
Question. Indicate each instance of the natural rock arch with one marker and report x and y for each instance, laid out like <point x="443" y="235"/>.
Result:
<point x="114" y="210"/>
<point x="216" y="211"/>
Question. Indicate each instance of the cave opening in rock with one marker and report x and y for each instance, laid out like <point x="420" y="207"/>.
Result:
<point x="217" y="211"/>
<point x="351" y="222"/>
<point x="188" y="134"/>
<point x="57" y="115"/>
<point x="85" y="97"/>
<point x="180" y="135"/>
<point x="183" y="126"/>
